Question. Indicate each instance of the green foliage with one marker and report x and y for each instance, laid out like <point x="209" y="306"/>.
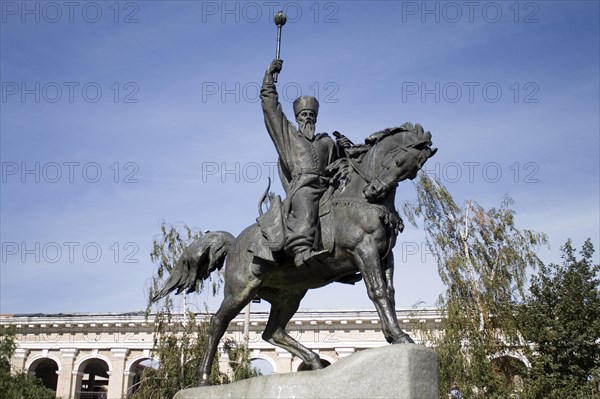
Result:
<point x="179" y="342"/>
<point x="167" y="249"/>
<point x="482" y="259"/>
<point x="561" y="320"/>
<point x="17" y="386"/>
<point x="239" y="360"/>
<point x="179" y="350"/>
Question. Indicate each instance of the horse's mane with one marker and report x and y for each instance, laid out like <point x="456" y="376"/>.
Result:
<point x="414" y="136"/>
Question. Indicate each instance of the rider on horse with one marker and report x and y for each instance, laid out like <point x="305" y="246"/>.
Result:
<point x="303" y="159"/>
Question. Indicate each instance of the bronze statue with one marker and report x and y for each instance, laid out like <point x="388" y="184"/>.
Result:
<point x="341" y="226"/>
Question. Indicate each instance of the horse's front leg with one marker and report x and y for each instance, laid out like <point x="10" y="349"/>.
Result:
<point x="388" y="274"/>
<point x="369" y="264"/>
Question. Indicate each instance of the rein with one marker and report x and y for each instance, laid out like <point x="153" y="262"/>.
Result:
<point x="357" y="170"/>
<point x="361" y="174"/>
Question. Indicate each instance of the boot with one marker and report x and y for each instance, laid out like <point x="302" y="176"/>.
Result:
<point x="310" y="257"/>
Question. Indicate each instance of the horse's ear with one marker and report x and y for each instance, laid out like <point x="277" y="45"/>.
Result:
<point x="432" y="152"/>
<point x="407" y="126"/>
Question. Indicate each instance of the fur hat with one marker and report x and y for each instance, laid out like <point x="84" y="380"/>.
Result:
<point x="306" y="102"/>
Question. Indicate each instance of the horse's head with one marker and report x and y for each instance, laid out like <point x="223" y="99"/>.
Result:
<point x="403" y="152"/>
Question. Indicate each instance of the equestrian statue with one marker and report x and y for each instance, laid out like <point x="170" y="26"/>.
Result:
<point x="338" y="223"/>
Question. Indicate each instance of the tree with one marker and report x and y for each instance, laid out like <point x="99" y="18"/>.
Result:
<point x="179" y="342"/>
<point x="239" y="360"/>
<point x="17" y="385"/>
<point x="179" y="352"/>
<point x="561" y="320"/>
<point x="482" y="259"/>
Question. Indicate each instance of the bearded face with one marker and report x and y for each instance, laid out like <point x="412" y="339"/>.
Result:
<point x="306" y="122"/>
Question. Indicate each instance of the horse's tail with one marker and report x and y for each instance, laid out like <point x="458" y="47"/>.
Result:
<point x="203" y="256"/>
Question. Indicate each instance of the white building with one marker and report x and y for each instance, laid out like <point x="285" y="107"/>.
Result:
<point x="85" y="356"/>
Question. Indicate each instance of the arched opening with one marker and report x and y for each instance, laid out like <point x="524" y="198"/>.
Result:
<point x="140" y="369"/>
<point x="262" y="365"/>
<point x="94" y="379"/>
<point x="304" y="367"/>
<point x="46" y="370"/>
<point x="512" y="370"/>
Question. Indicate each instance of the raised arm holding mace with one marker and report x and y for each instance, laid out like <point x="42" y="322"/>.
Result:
<point x="303" y="158"/>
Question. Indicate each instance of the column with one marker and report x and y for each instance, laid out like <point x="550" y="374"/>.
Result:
<point x="116" y="382"/>
<point x="284" y="361"/>
<point x="76" y="382"/>
<point x="224" y="366"/>
<point x="344" y="351"/>
<point x="65" y="375"/>
<point x="128" y="378"/>
<point x="19" y="359"/>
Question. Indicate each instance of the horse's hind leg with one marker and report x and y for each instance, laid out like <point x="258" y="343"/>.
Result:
<point x="283" y="307"/>
<point x="231" y="306"/>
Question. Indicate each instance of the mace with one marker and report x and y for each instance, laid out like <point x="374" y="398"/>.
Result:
<point x="280" y="20"/>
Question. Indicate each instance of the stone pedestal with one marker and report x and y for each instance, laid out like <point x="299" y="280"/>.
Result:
<point x="394" y="371"/>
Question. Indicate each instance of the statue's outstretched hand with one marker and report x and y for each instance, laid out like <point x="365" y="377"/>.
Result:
<point x="275" y="66"/>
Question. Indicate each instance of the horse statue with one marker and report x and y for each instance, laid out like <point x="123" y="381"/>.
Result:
<point x="358" y="226"/>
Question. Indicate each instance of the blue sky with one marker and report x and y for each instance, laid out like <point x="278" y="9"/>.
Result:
<point x="116" y="116"/>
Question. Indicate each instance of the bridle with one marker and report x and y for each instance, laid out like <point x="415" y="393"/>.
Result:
<point x="370" y="180"/>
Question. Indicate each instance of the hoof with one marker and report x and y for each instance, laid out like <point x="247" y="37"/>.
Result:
<point x="316" y="366"/>
<point x="404" y="339"/>
<point x="204" y="381"/>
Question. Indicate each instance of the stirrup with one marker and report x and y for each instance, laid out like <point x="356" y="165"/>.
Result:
<point x="313" y="258"/>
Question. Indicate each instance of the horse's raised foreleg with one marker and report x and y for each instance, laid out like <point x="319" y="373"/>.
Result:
<point x="369" y="264"/>
<point x="283" y="307"/>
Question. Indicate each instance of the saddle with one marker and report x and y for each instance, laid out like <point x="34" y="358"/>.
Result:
<point x="272" y="225"/>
